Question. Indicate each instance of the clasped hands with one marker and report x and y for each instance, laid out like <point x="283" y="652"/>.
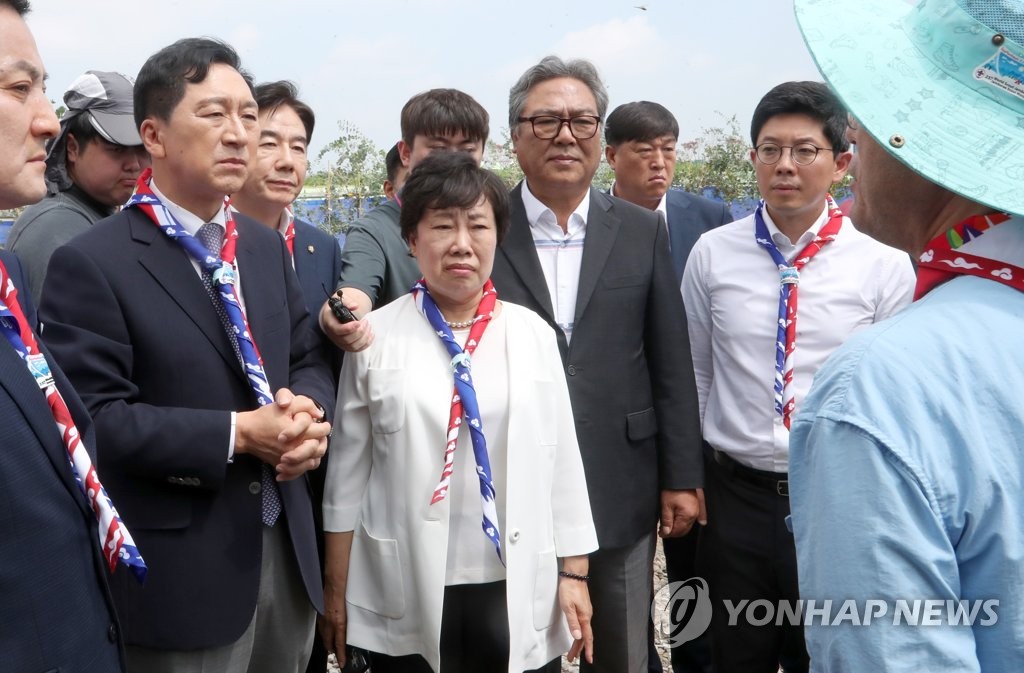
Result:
<point x="289" y="434"/>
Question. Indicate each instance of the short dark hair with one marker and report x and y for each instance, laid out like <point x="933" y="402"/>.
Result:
<point x="22" y="7"/>
<point x="392" y="162"/>
<point x="160" y="85"/>
<point x="639" y="121"/>
<point x="442" y="112"/>
<point x="552" y="67"/>
<point x="81" y="127"/>
<point x="814" y="99"/>
<point x="451" y="180"/>
<point x="273" y="95"/>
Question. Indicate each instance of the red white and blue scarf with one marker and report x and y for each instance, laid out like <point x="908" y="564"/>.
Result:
<point x="221" y="267"/>
<point x="464" y="403"/>
<point x="789" y="279"/>
<point x="115" y="540"/>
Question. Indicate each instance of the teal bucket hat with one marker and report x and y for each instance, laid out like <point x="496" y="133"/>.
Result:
<point x="939" y="84"/>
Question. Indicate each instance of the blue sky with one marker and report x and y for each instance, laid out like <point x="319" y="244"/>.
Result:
<point x="360" y="61"/>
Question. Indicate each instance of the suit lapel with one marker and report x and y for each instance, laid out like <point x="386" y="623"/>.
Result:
<point x="602" y="228"/>
<point x="24" y="392"/>
<point x="521" y="253"/>
<point x="311" y="269"/>
<point x="172" y="269"/>
<point x="676" y="212"/>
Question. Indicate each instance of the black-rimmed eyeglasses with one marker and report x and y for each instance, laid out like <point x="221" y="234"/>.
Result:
<point x="802" y="154"/>
<point x="546" y="127"/>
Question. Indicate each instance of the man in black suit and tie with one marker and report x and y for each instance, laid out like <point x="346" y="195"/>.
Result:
<point x="598" y="270"/>
<point x="277" y="172"/>
<point x="640" y="146"/>
<point x="183" y="328"/>
<point x="56" y="611"/>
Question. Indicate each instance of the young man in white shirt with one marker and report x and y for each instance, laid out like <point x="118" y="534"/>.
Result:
<point x="755" y="355"/>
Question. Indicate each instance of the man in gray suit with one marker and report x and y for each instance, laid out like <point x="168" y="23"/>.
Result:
<point x="598" y="270"/>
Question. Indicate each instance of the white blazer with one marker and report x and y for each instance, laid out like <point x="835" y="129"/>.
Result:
<point x="392" y="417"/>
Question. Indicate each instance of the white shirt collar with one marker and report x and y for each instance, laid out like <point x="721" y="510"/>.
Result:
<point x="538" y="213"/>
<point x="782" y="241"/>
<point x="190" y="222"/>
<point x="286" y="219"/>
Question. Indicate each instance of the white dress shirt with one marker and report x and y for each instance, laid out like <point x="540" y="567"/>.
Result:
<point x="560" y="253"/>
<point x="731" y="292"/>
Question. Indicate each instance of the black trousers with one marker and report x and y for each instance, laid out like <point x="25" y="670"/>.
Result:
<point x="747" y="553"/>
<point x="693" y="656"/>
<point x="474" y="635"/>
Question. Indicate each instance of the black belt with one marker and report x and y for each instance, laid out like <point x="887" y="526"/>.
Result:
<point x="773" y="481"/>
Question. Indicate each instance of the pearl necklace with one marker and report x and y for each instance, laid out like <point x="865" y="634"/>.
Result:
<point x="460" y="324"/>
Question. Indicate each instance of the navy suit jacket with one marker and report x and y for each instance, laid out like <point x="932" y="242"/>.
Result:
<point x="628" y="365"/>
<point x="127" y="316"/>
<point x="689" y="216"/>
<point x="56" y="611"/>
<point x="317" y="258"/>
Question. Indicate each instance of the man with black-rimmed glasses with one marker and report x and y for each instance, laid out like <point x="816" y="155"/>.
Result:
<point x="754" y="355"/>
<point x="598" y="270"/>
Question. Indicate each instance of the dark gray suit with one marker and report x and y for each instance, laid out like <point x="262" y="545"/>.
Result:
<point x="628" y="367"/>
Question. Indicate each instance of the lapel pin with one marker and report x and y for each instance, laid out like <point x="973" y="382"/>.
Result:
<point x="310" y="249"/>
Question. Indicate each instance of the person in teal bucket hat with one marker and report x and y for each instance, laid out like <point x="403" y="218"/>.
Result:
<point x="907" y="458"/>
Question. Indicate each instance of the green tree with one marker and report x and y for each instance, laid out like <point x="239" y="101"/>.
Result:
<point x="352" y="169"/>
<point x="718" y="160"/>
<point x="498" y="157"/>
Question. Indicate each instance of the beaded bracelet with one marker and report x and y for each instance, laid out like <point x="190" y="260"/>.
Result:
<point x="573" y="576"/>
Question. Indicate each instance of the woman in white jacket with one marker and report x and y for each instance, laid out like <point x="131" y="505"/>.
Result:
<point x="454" y="491"/>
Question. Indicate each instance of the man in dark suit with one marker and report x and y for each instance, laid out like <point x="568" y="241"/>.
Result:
<point x="598" y="270"/>
<point x="183" y="328"/>
<point x="277" y="172"/>
<point x="640" y="146"/>
<point x="56" y="612"/>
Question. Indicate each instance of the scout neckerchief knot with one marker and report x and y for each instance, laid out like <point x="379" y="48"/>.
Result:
<point x="464" y="398"/>
<point x="221" y="268"/>
<point x="115" y="540"/>
<point x="942" y="259"/>
<point x="789" y="281"/>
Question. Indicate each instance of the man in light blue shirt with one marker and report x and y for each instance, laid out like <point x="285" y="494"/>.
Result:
<point x="906" y="460"/>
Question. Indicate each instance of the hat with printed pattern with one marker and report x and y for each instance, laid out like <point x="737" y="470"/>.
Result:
<point x="939" y="84"/>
